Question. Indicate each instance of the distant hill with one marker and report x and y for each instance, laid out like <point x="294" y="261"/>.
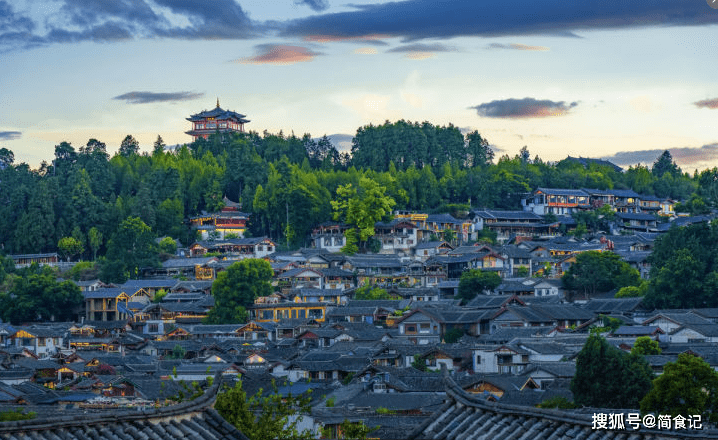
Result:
<point x="586" y="161"/>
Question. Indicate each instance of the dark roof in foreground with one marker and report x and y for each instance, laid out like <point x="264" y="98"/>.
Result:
<point x="468" y="417"/>
<point x="188" y="420"/>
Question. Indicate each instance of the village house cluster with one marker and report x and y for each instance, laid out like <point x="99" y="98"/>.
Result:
<point x="385" y="362"/>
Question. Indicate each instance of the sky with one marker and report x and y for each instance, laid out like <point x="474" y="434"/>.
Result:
<point x="613" y="79"/>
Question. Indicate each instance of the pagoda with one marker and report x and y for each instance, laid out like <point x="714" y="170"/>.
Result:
<point x="216" y="120"/>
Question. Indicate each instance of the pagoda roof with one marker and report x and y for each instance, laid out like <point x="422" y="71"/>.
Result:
<point x="218" y="113"/>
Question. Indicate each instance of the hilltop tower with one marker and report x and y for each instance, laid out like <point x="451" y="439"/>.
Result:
<point x="217" y="119"/>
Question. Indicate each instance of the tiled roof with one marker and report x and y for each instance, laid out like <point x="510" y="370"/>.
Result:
<point x="193" y="419"/>
<point x="468" y="417"/>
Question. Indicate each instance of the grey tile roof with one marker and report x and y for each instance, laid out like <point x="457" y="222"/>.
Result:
<point x="193" y="419"/>
<point x="468" y="417"/>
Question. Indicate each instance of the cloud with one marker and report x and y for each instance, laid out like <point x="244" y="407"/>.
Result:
<point x="317" y="5"/>
<point x="705" y="155"/>
<point x="419" y="51"/>
<point x="282" y="54"/>
<point x="366" y="51"/>
<point x="420" y="19"/>
<point x="419" y="47"/>
<point x="707" y="103"/>
<point x="9" y="135"/>
<point x="523" y="108"/>
<point x="102" y="21"/>
<point x="149" y="97"/>
<point x="374" y="39"/>
<point x="515" y="46"/>
<point x="419" y="55"/>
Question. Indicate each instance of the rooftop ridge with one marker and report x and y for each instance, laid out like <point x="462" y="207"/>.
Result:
<point x="457" y="398"/>
<point x="200" y="404"/>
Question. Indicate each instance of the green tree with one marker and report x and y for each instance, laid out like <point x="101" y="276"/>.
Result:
<point x="475" y="281"/>
<point x="7" y="158"/>
<point x="371" y="292"/>
<point x="38" y="297"/>
<point x="158" y="147"/>
<point x="265" y="417"/>
<point x="633" y="291"/>
<point x="131" y="248"/>
<point x="665" y="164"/>
<point x="644" y="345"/>
<point x="177" y="352"/>
<point x="355" y="430"/>
<point x="94" y="237"/>
<point x="168" y="245"/>
<point x="687" y="386"/>
<point x="452" y="336"/>
<point x="478" y="151"/>
<point x="596" y="271"/>
<point x="129" y="146"/>
<point x="361" y="208"/>
<point x="70" y="247"/>
<point x="236" y="288"/>
<point x="609" y="378"/>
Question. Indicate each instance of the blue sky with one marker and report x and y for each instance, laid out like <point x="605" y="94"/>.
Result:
<point x="615" y="79"/>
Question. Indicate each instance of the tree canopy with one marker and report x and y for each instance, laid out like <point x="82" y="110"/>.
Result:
<point x="686" y="387"/>
<point x="596" y="271"/>
<point x="361" y="208"/>
<point x="606" y="377"/>
<point x="265" y="416"/>
<point x="38" y="297"/>
<point x="684" y="268"/>
<point x="237" y="287"/>
<point x="476" y="281"/>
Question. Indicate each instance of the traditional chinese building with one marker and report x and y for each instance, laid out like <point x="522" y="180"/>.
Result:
<point x="216" y="120"/>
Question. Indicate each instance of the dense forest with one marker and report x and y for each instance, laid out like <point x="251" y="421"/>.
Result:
<point x="86" y="194"/>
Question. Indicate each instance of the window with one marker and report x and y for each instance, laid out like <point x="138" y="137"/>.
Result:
<point x="41" y="342"/>
<point x="153" y="328"/>
<point x="410" y="328"/>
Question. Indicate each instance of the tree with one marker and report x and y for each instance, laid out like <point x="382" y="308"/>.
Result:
<point x="7" y="158"/>
<point x="354" y="430"/>
<point x="665" y="164"/>
<point x="596" y="271"/>
<point x="644" y="345"/>
<point x="38" y="297"/>
<point x="478" y="151"/>
<point x="168" y="245"/>
<point x="452" y="336"/>
<point x="159" y="146"/>
<point x="265" y="417"/>
<point x="131" y="248"/>
<point x="236" y="288"/>
<point x="606" y="377"/>
<point x="476" y="281"/>
<point x="69" y="247"/>
<point x="94" y="237"/>
<point x="372" y="293"/>
<point x="687" y="386"/>
<point x="361" y="208"/>
<point x="178" y="352"/>
<point x="129" y="146"/>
